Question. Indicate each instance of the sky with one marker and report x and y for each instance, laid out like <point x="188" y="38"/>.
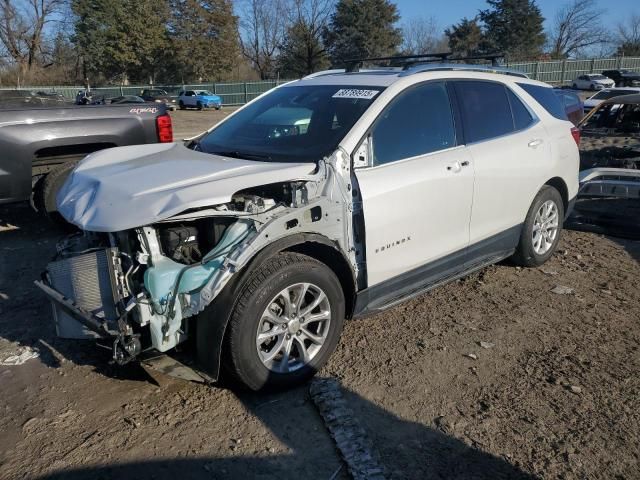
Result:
<point x="448" y="12"/>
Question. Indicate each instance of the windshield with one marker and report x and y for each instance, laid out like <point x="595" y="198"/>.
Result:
<point x="204" y="92"/>
<point x="607" y="94"/>
<point x="291" y="124"/>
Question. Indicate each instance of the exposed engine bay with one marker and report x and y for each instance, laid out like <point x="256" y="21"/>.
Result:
<point x="137" y="287"/>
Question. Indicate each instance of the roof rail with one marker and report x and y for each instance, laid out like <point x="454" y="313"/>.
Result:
<point x="434" y="67"/>
<point x="407" y="61"/>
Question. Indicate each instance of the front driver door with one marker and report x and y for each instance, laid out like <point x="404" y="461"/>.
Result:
<point x="417" y="194"/>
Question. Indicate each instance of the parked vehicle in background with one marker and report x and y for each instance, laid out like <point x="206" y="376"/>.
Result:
<point x="87" y="97"/>
<point x="623" y="77"/>
<point x="159" y="95"/>
<point x="28" y="98"/>
<point x="615" y="116"/>
<point x="125" y="99"/>
<point x="606" y="94"/>
<point x="40" y="146"/>
<point x="592" y="81"/>
<point x="327" y="198"/>
<point x="199" y="99"/>
<point x="572" y="104"/>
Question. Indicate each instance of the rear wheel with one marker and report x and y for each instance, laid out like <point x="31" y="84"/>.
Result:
<point x="45" y="194"/>
<point x="181" y="105"/>
<point x="286" y="323"/>
<point x="542" y="227"/>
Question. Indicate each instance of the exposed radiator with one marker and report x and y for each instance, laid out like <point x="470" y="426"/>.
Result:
<point x="88" y="280"/>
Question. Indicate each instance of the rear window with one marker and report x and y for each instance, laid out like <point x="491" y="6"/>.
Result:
<point x="545" y="97"/>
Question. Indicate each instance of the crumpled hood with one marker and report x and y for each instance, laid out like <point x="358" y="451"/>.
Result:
<point x="128" y="187"/>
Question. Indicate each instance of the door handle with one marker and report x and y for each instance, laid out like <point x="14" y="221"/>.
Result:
<point x="454" y="167"/>
<point x="535" y="143"/>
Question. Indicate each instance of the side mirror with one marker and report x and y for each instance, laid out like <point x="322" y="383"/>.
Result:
<point x="363" y="155"/>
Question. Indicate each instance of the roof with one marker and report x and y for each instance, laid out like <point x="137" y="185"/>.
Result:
<point x="386" y="76"/>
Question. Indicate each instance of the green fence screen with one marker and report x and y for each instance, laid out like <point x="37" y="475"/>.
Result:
<point x="556" y="72"/>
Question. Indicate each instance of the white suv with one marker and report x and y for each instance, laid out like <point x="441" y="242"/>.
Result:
<point x="327" y="198"/>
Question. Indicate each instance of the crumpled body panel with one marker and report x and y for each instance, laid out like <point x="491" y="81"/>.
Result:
<point x="127" y="187"/>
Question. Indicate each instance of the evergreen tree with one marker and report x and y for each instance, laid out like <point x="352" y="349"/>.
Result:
<point x="466" y="38"/>
<point x="514" y="27"/>
<point x="120" y="39"/>
<point x="204" y="37"/>
<point x="302" y="52"/>
<point x="362" y="28"/>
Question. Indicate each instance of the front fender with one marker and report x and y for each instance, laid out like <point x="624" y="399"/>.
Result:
<point x="211" y="323"/>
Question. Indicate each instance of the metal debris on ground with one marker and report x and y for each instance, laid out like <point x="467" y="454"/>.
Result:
<point x="21" y="356"/>
<point x="350" y="438"/>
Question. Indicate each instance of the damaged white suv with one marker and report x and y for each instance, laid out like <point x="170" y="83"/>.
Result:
<point x="327" y="198"/>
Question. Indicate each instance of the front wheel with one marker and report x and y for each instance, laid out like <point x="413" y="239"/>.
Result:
<point x="286" y="323"/>
<point x="575" y="86"/>
<point x="541" y="230"/>
<point x="199" y="105"/>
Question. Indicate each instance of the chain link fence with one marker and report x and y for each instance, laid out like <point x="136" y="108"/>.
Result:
<point x="556" y="72"/>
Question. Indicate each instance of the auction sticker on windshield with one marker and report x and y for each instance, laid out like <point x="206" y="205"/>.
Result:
<point x="355" y="93"/>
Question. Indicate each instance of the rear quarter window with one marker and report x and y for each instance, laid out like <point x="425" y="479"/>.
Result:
<point x="545" y="97"/>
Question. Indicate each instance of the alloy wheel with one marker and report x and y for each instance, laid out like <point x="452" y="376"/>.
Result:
<point x="293" y="328"/>
<point x="545" y="227"/>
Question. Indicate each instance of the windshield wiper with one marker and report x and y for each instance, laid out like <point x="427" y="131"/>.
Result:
<point x="243" y="155"/>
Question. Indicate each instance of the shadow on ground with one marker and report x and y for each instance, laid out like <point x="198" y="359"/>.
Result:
<point x="433" y="454"/>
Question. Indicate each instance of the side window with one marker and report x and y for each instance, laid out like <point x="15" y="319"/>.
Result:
<point x="417" y="122"/>
<point x="545" y="97"/>
<point x="485" y="110"/>
<point x="522" y="118"/>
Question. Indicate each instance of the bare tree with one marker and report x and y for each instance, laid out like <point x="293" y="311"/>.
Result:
<point x="577" y="27"/>
<point x="422" y="35"/>
<point x="22" y="26"/>
<point x="262" y="27"/>
<point x="628" y="38"/>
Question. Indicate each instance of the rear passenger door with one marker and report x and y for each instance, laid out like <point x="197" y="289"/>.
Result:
<point x="510" y="158"/>
<point x="416" y="196"/>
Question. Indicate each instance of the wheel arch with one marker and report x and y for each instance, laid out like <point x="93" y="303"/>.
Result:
<point x="560" y="185"/>
<point x="219" y="312"/>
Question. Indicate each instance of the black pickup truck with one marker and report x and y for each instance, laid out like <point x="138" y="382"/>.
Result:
<point x="40" y="146"/>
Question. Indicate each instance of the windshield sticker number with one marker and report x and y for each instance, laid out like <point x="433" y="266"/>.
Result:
<point x="355" y="93"/>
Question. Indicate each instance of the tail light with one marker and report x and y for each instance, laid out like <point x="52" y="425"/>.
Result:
<point x="575" y="133"/>
<point x="165" y="129"/>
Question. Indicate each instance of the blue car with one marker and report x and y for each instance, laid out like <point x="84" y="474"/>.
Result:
<point x="199" y="99"/>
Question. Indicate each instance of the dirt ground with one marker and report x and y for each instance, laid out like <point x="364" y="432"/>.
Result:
<point x="553" y="391"/>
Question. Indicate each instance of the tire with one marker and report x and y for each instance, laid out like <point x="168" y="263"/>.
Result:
<point x="258" y="302"/>
<point x="593" y="87"/>
<point x="575" y="87"/>
<point x="181" y="105"/>
<point x="218" y="108"/>
<point x="199" y="105"/>
<point x="45" y="195"/>
<point x="527" y="255"/>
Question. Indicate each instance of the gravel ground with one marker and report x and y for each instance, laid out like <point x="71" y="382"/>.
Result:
<point x="493" y="376"/>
